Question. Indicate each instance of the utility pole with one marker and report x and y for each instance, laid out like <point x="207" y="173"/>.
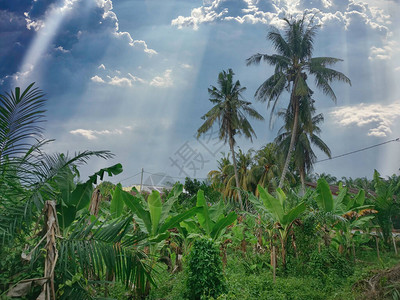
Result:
<point x="141" y="181"/>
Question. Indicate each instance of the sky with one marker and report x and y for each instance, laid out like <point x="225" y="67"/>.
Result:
<point x="132" y="77"/>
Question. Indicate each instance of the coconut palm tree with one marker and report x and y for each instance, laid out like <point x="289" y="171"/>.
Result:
<point x="231" y="111"/>
<point x="307" y="134"/>
<point x="266" y="169"/>
<point x="293" y="64"/>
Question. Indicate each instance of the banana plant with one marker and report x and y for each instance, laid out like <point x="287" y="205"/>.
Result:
<point x="74" y="198"/>
<point x="277" y="209"/>
<point x="211" y="221"/>
<point x="385" y="205"/>
<point x="153" y="216"/>
<point x="343" y="212"/>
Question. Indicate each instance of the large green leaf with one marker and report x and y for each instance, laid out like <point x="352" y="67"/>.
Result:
<point x="360" y="198"/>
<point x="113" y="170"/>
<point x="117" y="204"/>
<point x="216" y="211"/>
<point x="338" y="202"/>
<point x="65" y="214"/>
<point x="293" y="214"/>
<point x="134" y="204"/>
<point x="172" y="197"/>
<point x="155" y="208"/>
<point x="272" y="204"/>
<point x="203" y="215"/>
<point x="175" y="220"/>
<point x="324" y="197"/>
<point x="80" y="197"/>
<point x="159" y="237"/>
<point x="222" y="224"/>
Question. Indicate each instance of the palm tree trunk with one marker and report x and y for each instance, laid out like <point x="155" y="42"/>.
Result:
<point x="292" y="140"/>
<point x="303" y="182"/>
<point x="231" y="142"/>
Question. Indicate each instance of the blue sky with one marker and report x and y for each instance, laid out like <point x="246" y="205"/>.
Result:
<point x="132" y="76"/>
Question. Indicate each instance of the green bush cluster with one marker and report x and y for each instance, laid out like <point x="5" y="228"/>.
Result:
<point x="329" y="263"/>
<point x="205" y="275"/>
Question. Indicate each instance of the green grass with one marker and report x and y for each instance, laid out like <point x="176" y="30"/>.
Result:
<point x="250" y="277"/>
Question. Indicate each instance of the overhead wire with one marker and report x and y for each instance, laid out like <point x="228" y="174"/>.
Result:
<point x="322" y="160"/>
<point x="359" y="150"/>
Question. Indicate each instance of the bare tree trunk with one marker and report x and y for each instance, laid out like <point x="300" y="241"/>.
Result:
<point x="95" y="202"/>
<point x="231" y="142"/>
<point x="292" y="141"/>
<point x="283" y="245"/>
<point x="52" y="229"/>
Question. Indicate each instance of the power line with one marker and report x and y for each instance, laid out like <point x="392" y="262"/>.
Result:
<point x="130" y="177"/>
<point x="359" y="150"/>
<point x="175" y="177"/>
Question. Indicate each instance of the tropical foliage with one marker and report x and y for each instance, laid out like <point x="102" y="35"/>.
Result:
<point x="315" y="237"/>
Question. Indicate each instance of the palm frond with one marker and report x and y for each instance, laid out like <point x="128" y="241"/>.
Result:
<point x="20" y="115"/>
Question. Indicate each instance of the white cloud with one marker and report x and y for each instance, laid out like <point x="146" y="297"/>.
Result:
<point x="323" y="11"/>
<point x="380" y="53"/>
<point x="385" y="52"/>
<point x="33" y="24"/>
<point x="119" y="81"/>
<point x="23" y="75"/>
<point x="101" y="67"/>
<point x="61" y="49"/>
<point x="199" y="15"/>
<point x="142" y="45"/>
<point x="163" y="81"/>
<point x="136" y="79"/>
<point x="186" y="66"/>
<point x="97" y="79"/>
<point x="381" y="117"/>
<point x="109" y="14"/>
<point x="93" y="134"/>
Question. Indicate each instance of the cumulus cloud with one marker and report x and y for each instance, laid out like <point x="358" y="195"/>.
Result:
<point x="97" y="78"/>
<point x="19" y="75"/>
<point x="163" y="81"/>
<point x="94" y="134"/>
<point x="61" y="49"/>
<point x="103" y="67"/>
<point x="253" y="12"/>
<point x="379" y="117"/>
<point x="385" y="52"/>
<point x="117" y="80"/>
<point x="107" y="5"/>
<point x="199" y="15"/>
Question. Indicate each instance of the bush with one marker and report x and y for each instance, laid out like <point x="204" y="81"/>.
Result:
<point x="205" y="276"/>
<point x="329" y="263"/>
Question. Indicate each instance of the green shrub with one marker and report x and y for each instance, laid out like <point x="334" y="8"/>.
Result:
<point x="205" y="276"/>
<point x="329" y="263"/>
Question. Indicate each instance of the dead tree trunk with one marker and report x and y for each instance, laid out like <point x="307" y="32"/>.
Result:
<point x="95" y="202"/>
<point x="52" y="229"/>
